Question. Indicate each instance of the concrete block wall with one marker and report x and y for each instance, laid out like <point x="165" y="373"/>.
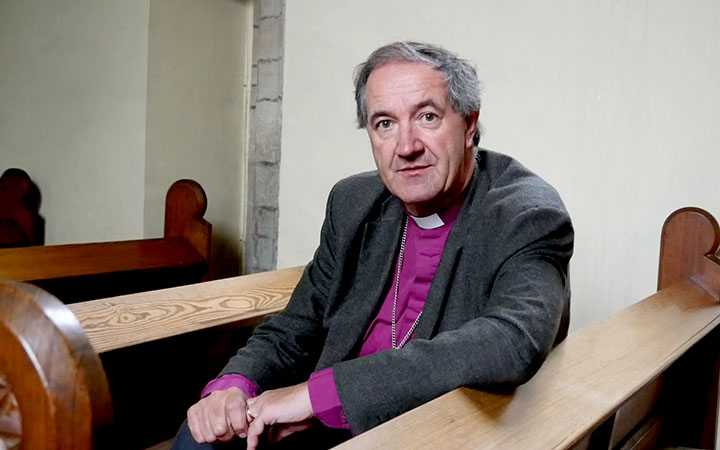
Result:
<point x="260" y="253"/>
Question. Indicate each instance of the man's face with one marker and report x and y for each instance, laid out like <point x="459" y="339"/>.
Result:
<point x="422" y="147"/>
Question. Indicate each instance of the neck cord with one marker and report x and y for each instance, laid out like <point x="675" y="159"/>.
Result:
<point x="395" y="298"/>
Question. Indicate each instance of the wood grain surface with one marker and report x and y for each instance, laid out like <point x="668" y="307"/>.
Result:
<point x="584" y="380"/>
<point x="128" y="320"/>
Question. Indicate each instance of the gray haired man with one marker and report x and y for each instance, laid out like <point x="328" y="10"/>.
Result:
<point x="446" y="267"/>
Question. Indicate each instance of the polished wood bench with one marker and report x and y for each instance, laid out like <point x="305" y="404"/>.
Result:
<point x="160" y="348"/>
<point x="77" y="272"/>
<point x="645" y="377"/>
<point x="122" y="348"/>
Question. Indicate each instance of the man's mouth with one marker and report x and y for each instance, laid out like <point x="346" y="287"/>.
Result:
<point x="413" y="170"/>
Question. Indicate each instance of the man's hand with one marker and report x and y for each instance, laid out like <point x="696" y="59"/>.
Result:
<point x="287" y="410"/>
<point x="219" y="417"/>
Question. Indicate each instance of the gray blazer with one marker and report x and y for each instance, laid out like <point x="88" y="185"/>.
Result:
<point x="499" y="299"/>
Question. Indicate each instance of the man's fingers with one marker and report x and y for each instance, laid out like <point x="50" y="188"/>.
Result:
<point x="209" y="419"/>
<point x="200" y="428"/>
<point x="215" y="419"/>
<point x="195" y="426"/>
<point x="235" y="415"/>
<point x="255" y="429"/>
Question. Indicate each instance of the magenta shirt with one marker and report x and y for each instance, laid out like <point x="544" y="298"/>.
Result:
<point x="423" y="249"/>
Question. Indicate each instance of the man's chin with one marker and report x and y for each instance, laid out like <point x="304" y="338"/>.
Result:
<point x="419" y="206"/>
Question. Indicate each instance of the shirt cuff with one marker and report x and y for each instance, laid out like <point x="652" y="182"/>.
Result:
<point x="228" y="381"/>
<point x="325" y="401"/>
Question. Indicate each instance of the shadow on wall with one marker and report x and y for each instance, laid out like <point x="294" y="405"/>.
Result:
<point x="225" y="256"/>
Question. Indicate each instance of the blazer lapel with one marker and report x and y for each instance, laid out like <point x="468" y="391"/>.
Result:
<point x="376" y="261"/>
<point x="445" y="273"/>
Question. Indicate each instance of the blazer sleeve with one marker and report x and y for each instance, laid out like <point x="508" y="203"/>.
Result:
<point x="285" y="348"/>
<point x="502" y="345"/>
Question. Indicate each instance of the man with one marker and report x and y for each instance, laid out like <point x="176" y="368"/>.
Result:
<point x="446" y="267"/>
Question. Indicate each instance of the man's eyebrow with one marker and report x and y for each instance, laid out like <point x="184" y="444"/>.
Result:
<point x="377" y="114"/>
<point x="426" y="103"/>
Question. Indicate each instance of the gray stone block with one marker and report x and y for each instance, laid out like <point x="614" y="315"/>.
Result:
<point x="266" y="223"/>
<point x="265" y="252"/>
<point x="266" y="131"/>
<point x="269" y="80"/>
<point x="266" y="185"/>
<point x="272" y="8"/>
<point x="270" y="39"/>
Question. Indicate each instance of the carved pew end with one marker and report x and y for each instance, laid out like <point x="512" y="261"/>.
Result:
<point x="56" y="390"/>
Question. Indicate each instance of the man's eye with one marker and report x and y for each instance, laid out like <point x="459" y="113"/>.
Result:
<point x="429" y="117"/>
<point x="383" y="124"/>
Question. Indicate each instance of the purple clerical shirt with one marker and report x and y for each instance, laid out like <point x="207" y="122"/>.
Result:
<point x="424" y="244"/>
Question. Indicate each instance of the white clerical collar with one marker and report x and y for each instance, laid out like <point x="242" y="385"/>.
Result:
<point x="428" y="222"/>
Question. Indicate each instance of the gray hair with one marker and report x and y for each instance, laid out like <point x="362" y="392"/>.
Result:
<point x="462" y="82"/>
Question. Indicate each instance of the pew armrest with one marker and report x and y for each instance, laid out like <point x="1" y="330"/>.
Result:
<point x="129" y="320"/>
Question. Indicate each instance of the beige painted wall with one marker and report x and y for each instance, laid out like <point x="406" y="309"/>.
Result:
<point x="615" y="103"/>
<point x="72" y="111"/>
<point x="199" y="60"/>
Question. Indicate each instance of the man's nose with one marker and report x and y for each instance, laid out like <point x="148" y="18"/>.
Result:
<point x="409" y="144"/>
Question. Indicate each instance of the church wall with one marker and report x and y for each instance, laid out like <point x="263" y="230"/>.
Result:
<point x="197" y="103"/>
<point x="72" y="112"/>
<point x="105" y="104"/>
<point x="615" y="103"/>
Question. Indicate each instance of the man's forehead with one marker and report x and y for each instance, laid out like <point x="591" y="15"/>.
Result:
<point x="406" y="79"/>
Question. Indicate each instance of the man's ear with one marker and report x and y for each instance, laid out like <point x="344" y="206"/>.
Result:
<point x="471" y="124"/>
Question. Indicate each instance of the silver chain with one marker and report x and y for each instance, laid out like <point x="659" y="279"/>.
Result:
<point x="395" y="298"/>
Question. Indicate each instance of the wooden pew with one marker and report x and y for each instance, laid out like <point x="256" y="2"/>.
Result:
<point x="53" y="391"/>
<point x="20" y="222"/>
<point x="78" y="272"/>
<point x="137" y="337"/>
<point x="160" y="348"/>
<point x="646" y="375"/>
